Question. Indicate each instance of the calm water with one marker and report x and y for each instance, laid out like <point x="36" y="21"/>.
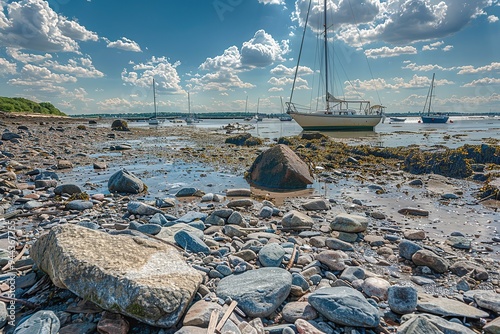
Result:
<point x="164" y="178"/>
<point x="463" y="130"/>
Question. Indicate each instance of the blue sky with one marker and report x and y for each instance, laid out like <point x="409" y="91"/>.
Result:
<point x="97" y="56"/>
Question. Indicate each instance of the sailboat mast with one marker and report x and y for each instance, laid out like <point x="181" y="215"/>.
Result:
<point x="189" y="105"/>
<point x="326" y="58"/>
<point x="154" y="97"/>
<point x="430" y="94"/>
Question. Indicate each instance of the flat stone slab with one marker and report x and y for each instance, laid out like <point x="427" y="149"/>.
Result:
<point x="448" y="307"/>
<point x="345" y="306"/>
<point x="258" y="292"/>
<point x="146" y="280"/>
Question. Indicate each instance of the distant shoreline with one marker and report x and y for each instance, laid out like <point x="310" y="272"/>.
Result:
<point x="242" y="115"/>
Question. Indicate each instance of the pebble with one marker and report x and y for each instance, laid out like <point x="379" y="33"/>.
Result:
<point x="242" y="246"/>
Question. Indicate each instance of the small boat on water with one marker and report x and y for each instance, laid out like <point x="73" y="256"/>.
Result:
<point x="190" y="119"/>
<point x="154" y="120"/>
<point x="397" y="119"/>
<point x="338" y="114"/>
<point x="285" y="118"/>
<point x="432" y="117"/>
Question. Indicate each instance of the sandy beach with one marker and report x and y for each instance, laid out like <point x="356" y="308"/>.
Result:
<point x="430" y="233"/>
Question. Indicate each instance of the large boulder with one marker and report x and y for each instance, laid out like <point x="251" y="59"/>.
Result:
<point x="280" y="168"/>
<point x="119" y="125"/>
<point x="125" y="182"/>
<point x="139" y="278"/>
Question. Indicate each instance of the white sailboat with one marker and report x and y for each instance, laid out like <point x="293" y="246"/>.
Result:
<point x="338" y="114"/>
<point x="190" y="119"/>
<point x="154" y="120"/>
<point x="258" y="118"/>
<point x="432" y="117"/>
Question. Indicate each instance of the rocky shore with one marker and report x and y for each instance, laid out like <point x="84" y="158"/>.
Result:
<point x="391" y="252"/>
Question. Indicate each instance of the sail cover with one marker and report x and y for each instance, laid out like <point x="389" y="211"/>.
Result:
<point x="331" y="98"/>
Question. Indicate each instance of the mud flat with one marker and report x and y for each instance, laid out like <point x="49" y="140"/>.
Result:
<point x="369" y="248"/>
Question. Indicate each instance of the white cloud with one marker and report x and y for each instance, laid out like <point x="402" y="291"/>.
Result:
<point x="260" y="51"/>
<point x="42" y="81"/>
<point x="221" y="81"/>
<point x="469" y="69"/>
<point x="33" y="25"/>
<point x="25" y="57"/>
<point x="263" y="50"/>
<point x="398" y="83"/>
<point x="492" y="19"/>
<point x="342" y="11"/>
<point x="399" y="22"/>
<point x="483" y="82"/>
<point x="7" y="67"/>
<point x="76" y="31"/>
<point x="80" y="67"/>
<point x="432" y="46"/>
<point x="385" y="52"/>
<point x="33" y="73"/>
<point x="416" y="20"/>
<point x="125" y="44"/>
<point x="272" y="2"/>
<point x="447" y="48"/>
<point x="427" y="68"/>
<point x="115" y="104"/>
<point x="230" y="59"/>
<point x="165" y="74"/>
<point x="282" y="70"/>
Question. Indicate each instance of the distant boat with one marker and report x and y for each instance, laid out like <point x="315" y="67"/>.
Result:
<point x="258" y="117"/>
<point x="284" y="117"/>
<point x="154" y="120"/>
<point x="397" y="119"/>
<point x="338" y="114"/>
<point x="190" y="119"/>
<point x="432" y="117"/>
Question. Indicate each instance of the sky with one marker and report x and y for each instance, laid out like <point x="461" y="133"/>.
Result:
<point x="100" y="56"/>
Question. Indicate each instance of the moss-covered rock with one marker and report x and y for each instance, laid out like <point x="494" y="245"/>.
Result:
<point x="119" y="125"/>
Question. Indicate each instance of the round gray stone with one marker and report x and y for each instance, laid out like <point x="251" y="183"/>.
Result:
<point x="258" y="292"/>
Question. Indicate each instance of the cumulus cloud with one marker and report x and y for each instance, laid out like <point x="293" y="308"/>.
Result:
<point x="492" y="19"/>
<point x="26" y="57"/>
<point x="115" y="104"/>
<point x="483" y="82"/>
<point x="432" y="46"/>
<point x="427" y="67"/>
<point x="33" y="25"/>
<point x="396" y="22"/>
<point x="260" y="51"/>
<point x="395" y="84"/>
<point x="338" y="13"/>
<point x="263" y="50"/>
<point x="43" y="81"/>
<point x="385" y="52"/>
<point x="7" y="67"/>
<point x="272" y="2"/>
<point x="80" y="67"/>
<point x="165" y="74"/>
<point x="221" y="81"/>
<point x="282" y="70"/>
<point x="416" y="20"/>
<point x="469" y="69"/>
<point x="125" y="44"/>
<point x="230" y="59"/>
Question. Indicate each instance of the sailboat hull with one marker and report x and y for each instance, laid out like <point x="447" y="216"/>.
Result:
<point x="325" y="122"/>
<point x="435" y="119"/>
